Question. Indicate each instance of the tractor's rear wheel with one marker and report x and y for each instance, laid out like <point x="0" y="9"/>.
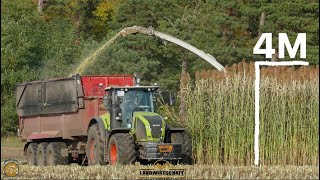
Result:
<point x="95" y="146"/>
<point x="54" y="155"/>
<point x="184" y="139"/>
<point x="121" y="149"/>
<point x="31" y="154"/>
<point x="42" y="154"/>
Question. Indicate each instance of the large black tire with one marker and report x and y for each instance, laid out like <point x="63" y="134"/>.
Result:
<point x="185" y="140"/>
<point x="54" y="156"/>
<point x="95" y="146"/>
<point x="121" y="149"/>
<point x="42" y="154"/>
<point x="31" y="154"/>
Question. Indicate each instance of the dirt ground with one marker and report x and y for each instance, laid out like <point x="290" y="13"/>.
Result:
<point x="12" y="152"/>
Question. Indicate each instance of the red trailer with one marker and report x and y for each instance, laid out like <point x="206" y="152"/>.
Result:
<point x="61" y="109"/>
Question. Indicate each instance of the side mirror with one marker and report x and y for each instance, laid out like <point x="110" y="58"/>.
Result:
<point x="172" y="99"/>
<point x="154" y="97"/>
<point x="106" y="100"/>
<point x="137" y="79"/>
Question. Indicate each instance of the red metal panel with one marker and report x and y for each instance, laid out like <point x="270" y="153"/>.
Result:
<point x="91" y="83"/>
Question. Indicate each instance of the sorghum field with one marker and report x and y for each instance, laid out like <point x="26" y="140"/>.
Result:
<point x="220" y="115"/>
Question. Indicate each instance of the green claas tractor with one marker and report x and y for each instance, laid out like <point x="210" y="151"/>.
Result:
<point x="131" y="130"/>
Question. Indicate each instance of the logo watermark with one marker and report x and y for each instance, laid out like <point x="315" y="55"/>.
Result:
<point x="11" y="168"/>
<point x="162" y="170"/>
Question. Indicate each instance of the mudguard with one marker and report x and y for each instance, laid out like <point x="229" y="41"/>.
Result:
<point x="102" y="128"/>
<point x="116" y="130"/>
<point x="25" y="148"/>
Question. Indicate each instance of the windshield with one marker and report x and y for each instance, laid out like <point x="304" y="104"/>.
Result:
<point x="136" y="100"/>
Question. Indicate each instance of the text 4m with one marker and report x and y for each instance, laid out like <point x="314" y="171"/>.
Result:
<point x="283" y="42"/>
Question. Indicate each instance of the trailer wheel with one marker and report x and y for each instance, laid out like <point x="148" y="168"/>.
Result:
<point x="184" y="139"/>
<point x="122" y="149"/>
<point x="31" y="154"/>
<point x="54" y="155"/>
<point x="95" y="146"/>
<point x="42" y="154"/>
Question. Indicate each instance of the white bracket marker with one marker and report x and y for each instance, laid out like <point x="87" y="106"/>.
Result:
<point x="257" y="65"/>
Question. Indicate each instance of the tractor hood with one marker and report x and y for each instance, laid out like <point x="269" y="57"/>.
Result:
<point x="148" y="126"/>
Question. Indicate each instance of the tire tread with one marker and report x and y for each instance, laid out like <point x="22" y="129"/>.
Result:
<point x="125" y="146"/>
<point x="56" y="148"/>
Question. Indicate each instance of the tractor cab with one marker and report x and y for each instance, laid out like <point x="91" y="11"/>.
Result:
<point x="122" y="102"/>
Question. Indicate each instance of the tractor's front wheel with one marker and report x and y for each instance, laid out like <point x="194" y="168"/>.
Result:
<point x="185" y="140"/>
<point x="95" y="146"/>
<point x="121" y="149"/>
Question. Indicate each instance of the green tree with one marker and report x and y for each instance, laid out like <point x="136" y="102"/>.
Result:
<point x="32" y="48"/>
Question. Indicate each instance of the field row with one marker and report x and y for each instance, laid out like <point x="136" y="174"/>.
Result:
<point x="192" y="172"/>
